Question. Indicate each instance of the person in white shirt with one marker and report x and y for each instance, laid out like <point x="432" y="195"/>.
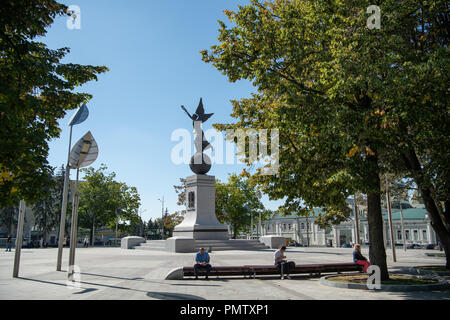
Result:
<point x="280" y="262"/>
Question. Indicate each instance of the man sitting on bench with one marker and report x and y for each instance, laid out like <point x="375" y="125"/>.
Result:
<point x="202" y="261"/>
<point x="281" y="263"/>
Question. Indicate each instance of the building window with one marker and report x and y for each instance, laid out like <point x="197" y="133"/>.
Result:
<point x="399" y="234"/>
<point x="424" y="235"/>
<point x="303" y="225"/>
<point x="407" y="234"/>
<point x="416" y="235"/>
<point x="289" y="226"/>
<point x="284" y="226"/>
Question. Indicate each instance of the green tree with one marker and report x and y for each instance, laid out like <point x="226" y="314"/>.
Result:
<point x="8" y="218"/>
<point x="36" y="90"/>
<point x="103" y="201"/>
<point x="45" y="209"/>
<point x="172" y="220"/>
<point x="351" y="103"/>
<point x="236" y="202"/>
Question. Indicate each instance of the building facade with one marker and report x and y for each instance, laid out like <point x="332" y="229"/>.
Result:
<point x="411" y="224"/>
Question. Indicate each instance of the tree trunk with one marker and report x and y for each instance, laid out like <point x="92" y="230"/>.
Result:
<point x="438" y="219"/>
<point x="377" y="251"/>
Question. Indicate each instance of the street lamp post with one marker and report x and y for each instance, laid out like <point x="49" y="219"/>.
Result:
<point x="391" y="227"/>
<point x="79" y="116"/>
<point x="118" y="209"/>
<point x="84" y="153"/>
<point x="357" y="238"/>
<point x="162" y="218"/>
<point x="259" y="196"/>
<point x="141" y="221"/>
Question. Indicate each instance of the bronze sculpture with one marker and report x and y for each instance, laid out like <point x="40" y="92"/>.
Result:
<point x="200" y="163"/>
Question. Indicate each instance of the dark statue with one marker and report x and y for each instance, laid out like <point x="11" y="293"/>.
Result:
<point x="200" y="163"/>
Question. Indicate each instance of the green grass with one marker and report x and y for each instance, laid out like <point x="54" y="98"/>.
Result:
<point x="399" y="280"/>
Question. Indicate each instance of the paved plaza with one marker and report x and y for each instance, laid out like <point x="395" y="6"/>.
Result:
<point x="114" y="273"/>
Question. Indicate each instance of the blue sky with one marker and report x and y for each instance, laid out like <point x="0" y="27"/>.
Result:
<point x="152" y="50"/>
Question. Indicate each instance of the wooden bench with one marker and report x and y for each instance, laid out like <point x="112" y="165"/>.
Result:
<point x="254" y="270"/>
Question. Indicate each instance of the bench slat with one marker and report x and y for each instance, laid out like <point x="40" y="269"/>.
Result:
<point x="272" y="269"/>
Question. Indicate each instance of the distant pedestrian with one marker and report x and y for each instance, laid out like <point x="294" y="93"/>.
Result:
<point x="86" y="242"/>
<point x="202" y="261"/>
<point x="358" y="258"/>
<point x="8" y="243"/>
<point x="41" y="243"/>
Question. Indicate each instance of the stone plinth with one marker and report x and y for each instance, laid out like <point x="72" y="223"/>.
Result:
<point x="130" y="242"/>
<point x="180" y="244"/>
<point x="200" y="221"/>
<point x="274" y="242"/>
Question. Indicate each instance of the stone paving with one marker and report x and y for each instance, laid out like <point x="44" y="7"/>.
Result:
<point x="114" y="273"/>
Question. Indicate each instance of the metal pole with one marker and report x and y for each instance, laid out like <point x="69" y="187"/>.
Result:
<point x="74" y="229"/>
<point x="62" y="224"/>
<point x="251" y="224"/>
<point x="117" y="222"/>
<point x="391" y="227"/>
<point x="403" y="227"/>
<point x="162" y="218"/>
<point x="19" y="238"/>
<point x="356" y="220"/>
<point x="260" y="224"/>
<point x="307" y="232"/>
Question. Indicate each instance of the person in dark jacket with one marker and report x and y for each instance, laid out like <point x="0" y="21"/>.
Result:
<point x="8" y="243"/>
<point x="358" y="258"/>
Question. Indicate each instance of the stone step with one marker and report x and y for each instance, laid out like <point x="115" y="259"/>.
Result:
<point x="150" y="248"/>
<point x="215" y="245"/>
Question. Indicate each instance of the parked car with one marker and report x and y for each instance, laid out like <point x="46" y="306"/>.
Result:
<point x="293" y="243"/>
<point x="414" y="246"/>
<point x="430" y="246"/>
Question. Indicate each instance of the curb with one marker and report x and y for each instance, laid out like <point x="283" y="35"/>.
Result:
<point x="389" y="288"/>
<point x="416" y="270"/>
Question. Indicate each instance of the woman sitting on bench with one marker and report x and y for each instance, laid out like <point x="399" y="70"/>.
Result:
<point x="358" y="258"/>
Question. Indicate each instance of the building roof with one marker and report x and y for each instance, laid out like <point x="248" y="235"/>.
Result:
<point x="408" y="214"/>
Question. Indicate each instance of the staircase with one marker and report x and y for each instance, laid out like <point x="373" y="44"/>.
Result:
<point x="209" y="245"/>
<point x="235" y="244"/>
<point x="152" y="245"/>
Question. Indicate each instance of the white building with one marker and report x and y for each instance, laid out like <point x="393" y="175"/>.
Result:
<point x="417" y="229"/>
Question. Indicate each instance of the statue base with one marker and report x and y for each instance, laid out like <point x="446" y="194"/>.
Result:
<point x="200" y="222"/>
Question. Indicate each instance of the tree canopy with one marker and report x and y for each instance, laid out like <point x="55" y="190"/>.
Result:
<point x="103" y="200"/>
<point x="36" y="90"/>
<point x="350" y="103"/>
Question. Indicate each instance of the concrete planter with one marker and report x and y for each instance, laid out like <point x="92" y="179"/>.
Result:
<point x="273" y="242"/>
<point x="442" y="284"/>
<point x="130" y="242"/>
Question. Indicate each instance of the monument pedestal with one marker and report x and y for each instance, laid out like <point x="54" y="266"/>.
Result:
<point x="200" y="222"/>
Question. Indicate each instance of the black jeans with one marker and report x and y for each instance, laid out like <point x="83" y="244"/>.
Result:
<point x="284" y="267"/>
<point x="202" y="266"/>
